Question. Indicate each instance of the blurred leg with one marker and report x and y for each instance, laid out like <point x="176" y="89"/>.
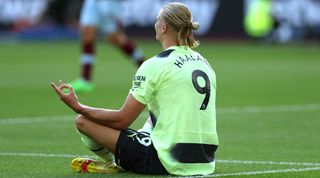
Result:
<point x="122" y="41"/>
<point x="88" y="34"/>
<point x="88" y="22"/>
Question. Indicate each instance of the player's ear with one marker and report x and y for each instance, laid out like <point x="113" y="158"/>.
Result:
<point x="164" y="28"/>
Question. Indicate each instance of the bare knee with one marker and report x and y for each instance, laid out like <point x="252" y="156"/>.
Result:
<point x="81" y="122"/>
<point x="88" y="34"/>
<point x="117" y="38"/>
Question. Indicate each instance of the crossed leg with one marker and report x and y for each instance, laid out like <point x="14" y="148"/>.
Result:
<point x="103" y="135"/>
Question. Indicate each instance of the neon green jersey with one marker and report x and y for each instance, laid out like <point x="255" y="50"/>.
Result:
<point x="179" y="87"/>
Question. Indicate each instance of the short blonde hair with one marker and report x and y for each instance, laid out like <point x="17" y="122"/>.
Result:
<point x="179" y="17"/>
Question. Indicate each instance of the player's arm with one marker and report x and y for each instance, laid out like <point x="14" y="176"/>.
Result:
<point x="117" y="119"/>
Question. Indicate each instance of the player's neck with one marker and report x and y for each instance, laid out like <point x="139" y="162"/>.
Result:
<point x="168" y="43"/>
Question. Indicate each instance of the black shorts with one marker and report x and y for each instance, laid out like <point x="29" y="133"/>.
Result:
<point x="135" y="152"/>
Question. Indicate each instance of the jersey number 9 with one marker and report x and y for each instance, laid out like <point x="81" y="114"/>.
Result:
<point x="202" y="89"/>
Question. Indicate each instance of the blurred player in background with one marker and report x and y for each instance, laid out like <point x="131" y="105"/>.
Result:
<point x="102" y="15"/>
<point x="179" y="88"/>
<point x="282" y="21"/>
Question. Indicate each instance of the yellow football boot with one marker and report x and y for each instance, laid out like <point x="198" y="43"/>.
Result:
<point x="87" y="165"/>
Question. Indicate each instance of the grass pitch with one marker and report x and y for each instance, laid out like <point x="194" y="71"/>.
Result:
<point x="268" y="106"/>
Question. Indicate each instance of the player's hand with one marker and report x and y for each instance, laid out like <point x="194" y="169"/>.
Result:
<point x="69" y="98"/>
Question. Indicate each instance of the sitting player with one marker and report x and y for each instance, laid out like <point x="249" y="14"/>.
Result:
<point x="179" y="88"/>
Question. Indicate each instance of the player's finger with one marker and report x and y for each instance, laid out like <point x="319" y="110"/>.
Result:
<point x="63" y="86"/>
<point x="56" y="88"/>
<point x="70" y="88"/>
<point x="60" y="83"/>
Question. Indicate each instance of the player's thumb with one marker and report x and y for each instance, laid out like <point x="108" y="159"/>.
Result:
<point x="71" y="90"/>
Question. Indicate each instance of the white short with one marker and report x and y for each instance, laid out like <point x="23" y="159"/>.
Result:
<point x="103" y="14"/>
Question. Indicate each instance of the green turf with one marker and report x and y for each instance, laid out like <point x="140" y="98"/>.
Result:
<point x="268" y="106"/>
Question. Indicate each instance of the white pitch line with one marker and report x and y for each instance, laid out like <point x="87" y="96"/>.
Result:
<point x="214" y="175"/>
<point x="268" y="163"/>
<point x="218" y="161"/>
<point x="265" y="172"/>
<point x="263" y="109"/>
<point x="32" y="120"/>
<point x="225" y="110"/>
<point x="44" y="155"/>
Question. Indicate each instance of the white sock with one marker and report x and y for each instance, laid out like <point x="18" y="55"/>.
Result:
<point x="87" y="58"/>
<point x="147" y="127"/>
<point x="96" y="148"/>
<point x="137" y="55"/>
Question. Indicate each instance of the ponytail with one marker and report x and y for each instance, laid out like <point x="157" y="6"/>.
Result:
<point x="179" y="17"/>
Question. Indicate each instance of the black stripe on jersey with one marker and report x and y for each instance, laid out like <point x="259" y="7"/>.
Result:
<point x="153" y="118"/>
<point x="99" y="149"/>
<point x="165" y="53"/>
<point x="194" y="152"/>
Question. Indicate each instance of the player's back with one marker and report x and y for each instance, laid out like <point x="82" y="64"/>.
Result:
<point x="185" y="111"/>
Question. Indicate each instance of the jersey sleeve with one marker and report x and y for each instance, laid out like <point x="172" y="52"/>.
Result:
<point x="144" y="82"/>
